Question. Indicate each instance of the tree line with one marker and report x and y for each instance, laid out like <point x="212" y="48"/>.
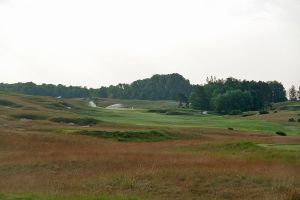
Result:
<point x="222" y="95"/>
<point x="158" y="87"/>
<point x="232" y="94"/>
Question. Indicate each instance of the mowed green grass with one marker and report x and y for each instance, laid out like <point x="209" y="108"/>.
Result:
<point x="143" y="118"/>
<point x="271" y="123"/>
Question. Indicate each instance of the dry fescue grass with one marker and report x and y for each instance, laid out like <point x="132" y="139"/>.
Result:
<point x="74" y="164"/>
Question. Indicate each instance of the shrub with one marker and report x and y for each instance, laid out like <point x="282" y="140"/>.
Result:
<point x="263" y="112"/>
<point x="230" y="129"/>
<point x="131" y="136"/>
<point x="275" y="111"/>
<point x="78" y="121"/>
<point x="298" y="120"/>
<point x="29" y="116"/>
<point x="235" y="112"/>
<point x="291" y="120"/>
<point x="157" y="110"/>
<point x="281" y="133"/>
<point x="175" y="112"/>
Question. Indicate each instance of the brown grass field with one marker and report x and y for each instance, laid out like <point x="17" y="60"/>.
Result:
<point x="40" y="159"/>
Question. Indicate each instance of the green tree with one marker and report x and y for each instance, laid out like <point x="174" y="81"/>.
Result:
<point x="182" y="99"/>
<point x="293" y="93"/>
<point x="199" y="99"/>
<point x="233" y="100"/>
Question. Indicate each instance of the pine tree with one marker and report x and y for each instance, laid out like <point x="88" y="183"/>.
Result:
<point x="293" y="93"/>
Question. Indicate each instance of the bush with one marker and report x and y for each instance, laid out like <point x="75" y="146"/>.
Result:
<point x="263" y="112"/>
<point x="78" y="121"/>
<point x="275" y="111"/>
<point x="235" y="112"/>
<point x="231" y="129"/>
<point x="157" y="110"/>
<point x="298" y="120"/>
<point x="175" y="112"/>
<point x="131" y="136"/>
<point x="29" y="116"/>
<point x="292" y="120"/>
<point x="281" y="133"/>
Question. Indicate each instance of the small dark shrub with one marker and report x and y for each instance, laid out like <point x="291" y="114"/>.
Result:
<point x="235" y="112"/>
<point x="281" y="133"/>
<point x="29" y="116"/>
<point x="157" y="110"/>
<point x="131" y="136"/>
<point x="263" y="112"/>
<point x="298" y="120"/>
<point x="230" y="129"/>
<point x="292" y="120"/>
<point x="175" y="112"/>
<point x="275" y="111"/>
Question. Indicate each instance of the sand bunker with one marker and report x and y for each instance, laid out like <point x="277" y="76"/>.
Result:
<point x="116" y="106"/>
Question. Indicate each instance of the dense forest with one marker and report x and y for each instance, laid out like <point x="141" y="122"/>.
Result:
<point x="233" y="94"/>
<point x="158" y="87"/>
<point x="217" y="94"/>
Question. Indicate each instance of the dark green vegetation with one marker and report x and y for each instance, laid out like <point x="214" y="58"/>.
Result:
<point x="79" y="121"/>
<point x="29" y="116"/>
<point x="149" y="150"/>
<point x="158" y="87"/>
<point x="131" y="136"/>
<point x="218" y="95"/>
<point x="281" y="133"/>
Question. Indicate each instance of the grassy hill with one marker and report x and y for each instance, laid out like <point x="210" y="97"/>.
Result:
<point x="64" y="149"/>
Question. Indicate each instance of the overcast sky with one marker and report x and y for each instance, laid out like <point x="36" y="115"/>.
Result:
<point x="96" y="43"/>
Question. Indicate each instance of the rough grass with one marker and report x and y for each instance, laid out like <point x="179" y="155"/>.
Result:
<point x="288" y="106"/>
<point x="58" y="105"/>
<point x="7" y="103"/>
<point x="57" y="197"/>
<point x="51" y="161"/>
